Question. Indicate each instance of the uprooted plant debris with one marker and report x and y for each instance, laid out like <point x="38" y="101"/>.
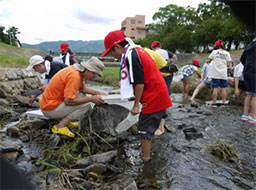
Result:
<point x="222" y="150"/>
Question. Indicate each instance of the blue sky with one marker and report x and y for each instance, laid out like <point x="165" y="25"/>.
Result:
<point x="53" y="20"/>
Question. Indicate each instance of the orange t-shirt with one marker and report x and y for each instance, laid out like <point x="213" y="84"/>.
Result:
<point x="64" y="84"/>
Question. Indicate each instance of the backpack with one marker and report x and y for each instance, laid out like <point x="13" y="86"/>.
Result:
<point x="170" y="67"/>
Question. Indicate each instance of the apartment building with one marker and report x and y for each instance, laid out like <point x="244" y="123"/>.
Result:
<point x="134" y="27"/>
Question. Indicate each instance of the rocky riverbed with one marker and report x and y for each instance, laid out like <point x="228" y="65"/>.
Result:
<point x="202" y="148"/>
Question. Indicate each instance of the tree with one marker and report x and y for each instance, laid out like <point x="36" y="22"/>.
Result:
<point x="187" y="29"/>
<point x="12" y="33"/>
<point x="3" y="36"/>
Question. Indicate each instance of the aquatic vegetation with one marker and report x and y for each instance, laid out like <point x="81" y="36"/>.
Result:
<point x="222" y="150"/>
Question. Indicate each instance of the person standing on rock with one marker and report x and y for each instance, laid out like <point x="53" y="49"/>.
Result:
<point x="43" y="66"/>
<point x="140" y="77"/>
<point x="249" y="72"/>
<point x="67" y="55"/>
<point x="220" y="60"/>
<point x="166" y="54"/>
<point x="204" y="81"/>
<point x="185" y="73"/>
<point x="60" y="100"/>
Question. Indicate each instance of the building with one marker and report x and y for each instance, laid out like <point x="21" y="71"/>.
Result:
<point x="134" y="27"/>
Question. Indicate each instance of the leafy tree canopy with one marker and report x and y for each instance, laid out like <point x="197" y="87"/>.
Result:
<point x="187" y="29"/>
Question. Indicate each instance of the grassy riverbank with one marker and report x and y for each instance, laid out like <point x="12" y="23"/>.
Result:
<point x="9" y="61"/>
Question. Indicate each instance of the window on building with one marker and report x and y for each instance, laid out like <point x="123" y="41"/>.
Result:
<point x="139" y="32"/>
<point x="132" y="28"/>
<point x="132" y="37"/>
<point x="140" y="22"/>
<point x="132" y="21"/>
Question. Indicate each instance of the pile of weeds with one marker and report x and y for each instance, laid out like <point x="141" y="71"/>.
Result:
<point x="223" y="151"/>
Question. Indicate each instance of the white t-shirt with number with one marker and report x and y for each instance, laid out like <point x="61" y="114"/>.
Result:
<point x="219" y="59"/>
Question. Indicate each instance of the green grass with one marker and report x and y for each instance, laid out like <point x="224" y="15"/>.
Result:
<point x="11" y="61"/>
<point x="110" y="76"/>
<point x="113" y="72"/>
<point x="8" y="47"/>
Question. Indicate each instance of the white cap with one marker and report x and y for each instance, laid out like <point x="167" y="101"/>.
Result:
<point x="35" y="60"/>
<point x="93" y="65"/>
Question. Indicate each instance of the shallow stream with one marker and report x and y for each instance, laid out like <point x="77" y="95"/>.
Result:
<point x="180" y="159"/>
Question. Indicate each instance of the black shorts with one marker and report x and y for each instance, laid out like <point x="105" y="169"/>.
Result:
<point x="148" y="124"/>
<point x="250" y="83"/>
<point x="241" y="85"/>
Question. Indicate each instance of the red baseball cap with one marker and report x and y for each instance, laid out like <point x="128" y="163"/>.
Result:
<point x="196" y="63"/>
<point x="112" y="39"/>
<point x="218" y="42"/>
<point x="156" y="44"/>
<point x="63" y="46"/>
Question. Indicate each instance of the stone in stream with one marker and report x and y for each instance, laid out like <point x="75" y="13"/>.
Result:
<point x="95" y="168"/>
<point x="104" y="118"/>
<point x="10" y="145"/>
<point x="97" y="158"/>
<point x="191" y="133"/>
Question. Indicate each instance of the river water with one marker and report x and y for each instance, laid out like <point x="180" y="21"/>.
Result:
<point x="181" y="161"/>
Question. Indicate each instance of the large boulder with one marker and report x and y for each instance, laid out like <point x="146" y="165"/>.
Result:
<point x="104" y="118"/>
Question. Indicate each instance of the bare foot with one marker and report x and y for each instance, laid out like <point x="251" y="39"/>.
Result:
<point x="159" y="132"/>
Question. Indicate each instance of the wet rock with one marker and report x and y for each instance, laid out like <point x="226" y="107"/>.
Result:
<point x="86" y="185"/>
<point x="114" y="169"/>
<point x="37" y="181"/>
<point x="27" y="157"/>
<point x="193" y="115"/>
<point x="53" y="141"/>
<point x="24" y="166"/>
<point x="4" y="102"/>
<point x="35" y="124"/>
<point x="206" y="111"/>
<point x="191" y="133"/>
<point x="38" y="167"/>
<point x="95" y="168"/>
<point x="181" y="126"/>
<point x="45" y="131"/>
<point x="10" y="145"/>
<point x="75" y="173"/>
<point x="97" y="158"/>
<point x="169" y="128"/>
<point x="105" y="118"/>
<point x="131" y="186"/>
<point x="194" y="105"/>
<point x="24" y="138"/>
<point x="13" y="131"/>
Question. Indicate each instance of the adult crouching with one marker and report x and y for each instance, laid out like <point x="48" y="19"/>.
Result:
<point x="60" y="100"/>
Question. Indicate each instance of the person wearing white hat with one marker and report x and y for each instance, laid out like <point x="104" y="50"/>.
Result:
<point x="60" y="100"/>
<point x="43" y="66"/>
